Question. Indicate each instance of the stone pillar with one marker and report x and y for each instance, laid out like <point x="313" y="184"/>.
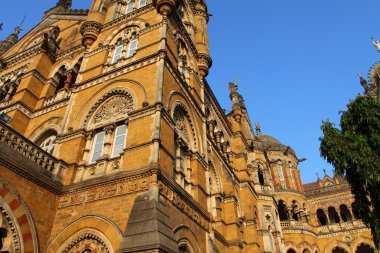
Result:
<point x="86" y="152"/>
<point x="326" y="211"/>
<point x="108" y="140"/>
<point x="69" y="80"/>
<point x="218" y="136"/>
<point x="10" y="92"/>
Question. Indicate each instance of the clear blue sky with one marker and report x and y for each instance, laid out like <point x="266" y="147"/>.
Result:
<point x="296" y="61"/>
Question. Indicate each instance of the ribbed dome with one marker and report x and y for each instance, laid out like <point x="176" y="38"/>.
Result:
<point x="268" y="139"/>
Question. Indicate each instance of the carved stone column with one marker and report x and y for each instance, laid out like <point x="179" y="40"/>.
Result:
<point x="86" y="151"/>
<point x="108" y="140"/>
<point x="10" y="92"/>
<point x="218" y="136"/>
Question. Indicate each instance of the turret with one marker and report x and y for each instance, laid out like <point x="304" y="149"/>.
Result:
<point x="165" y="7"/>
<point x="10" y="41"/>
<point x="90" y="29"/>
<point x="237" y="102"/>
<point x="201" y="38"/>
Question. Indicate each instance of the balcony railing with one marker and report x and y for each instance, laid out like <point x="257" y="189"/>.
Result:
<point x="289" y="225"/>
<point x="28" y="149"/>
<point x="344" y="226"/>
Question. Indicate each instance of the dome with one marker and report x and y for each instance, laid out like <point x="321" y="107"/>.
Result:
<point x="270" y="143"/>
<point x="268" y="139"/>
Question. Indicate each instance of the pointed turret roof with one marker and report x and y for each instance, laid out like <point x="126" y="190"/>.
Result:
<point x="10" y="41"/>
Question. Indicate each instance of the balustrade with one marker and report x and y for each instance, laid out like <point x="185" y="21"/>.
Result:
<point x="29" y="150"/>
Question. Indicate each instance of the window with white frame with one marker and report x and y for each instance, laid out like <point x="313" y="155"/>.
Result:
<point x="130" y="6"/>
<point x="132" y="47"/>
<point x="291" y="177"/>
<point x="119" y="140"/>
<point x="49" y="144"/>
<point x="117" y="53"/>
<point x="280" y="173"/>
<point x="101" y="6"/>
<point x="97" y="147"/>
<point x="142" y="3"/>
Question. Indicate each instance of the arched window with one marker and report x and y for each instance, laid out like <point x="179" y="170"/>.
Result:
<point x="47" y="141"/>
<point x="75" y="71"/>
<point x="60" y="78"/>
<point x="182" y="150"/>
<point x="101" y="6"/>
<point x="291" y="251"/>
<point x="120" y="46"/>
<point x="355" y="211"/>
<point x="117" y="53"/>
<point x="282" y="211"/>
<point x="345" y="213"/>
<point x="339" y="250"/>
<point x="130" y="6"/>
<point x="333" y="215"/>
<point x="365" y="248"/>
<point x="280" y="173"/>
<point x="322" y="219"/>
<point x="142" y="3"/>
<point x="261" y="176"/>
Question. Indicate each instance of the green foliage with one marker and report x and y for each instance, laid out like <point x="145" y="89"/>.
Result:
<point x="354" y="151"/>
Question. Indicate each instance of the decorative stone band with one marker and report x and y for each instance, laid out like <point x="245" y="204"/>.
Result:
<point x="19" y="220"/>
<point x="28" y="149"/>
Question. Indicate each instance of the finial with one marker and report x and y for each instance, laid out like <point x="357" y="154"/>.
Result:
<point x="258" y="128"/>
<point x="324" y="171"/>
<point x="236" y="81"/>
<point x="1" y="26"/>
<point x="18" y="29"/>
<point x="376" y="43"/>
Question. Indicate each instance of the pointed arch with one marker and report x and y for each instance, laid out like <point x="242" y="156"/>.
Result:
<point x="23" y="231"/>
<point x="137" y="23"/>
<point x="179" y="108"/>
<point x="89" y="227"/>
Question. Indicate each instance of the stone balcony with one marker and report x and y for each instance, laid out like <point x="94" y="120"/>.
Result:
<point x="295" y="225"/>
<point x="23" y="156"/>
<point x="343" y="226"/>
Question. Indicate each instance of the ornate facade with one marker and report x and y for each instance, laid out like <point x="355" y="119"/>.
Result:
<point x="118" y="144"/>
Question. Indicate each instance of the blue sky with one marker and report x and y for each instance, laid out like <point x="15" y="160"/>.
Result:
<point x="296" y="60"/>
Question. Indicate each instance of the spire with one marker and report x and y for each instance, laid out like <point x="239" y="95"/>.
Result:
<point x="376" y="43"/>
<point x="66" y="4"/>
<point x="11" y="40"/>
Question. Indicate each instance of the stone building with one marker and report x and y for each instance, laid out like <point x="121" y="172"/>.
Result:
<point x="118" y="144"/>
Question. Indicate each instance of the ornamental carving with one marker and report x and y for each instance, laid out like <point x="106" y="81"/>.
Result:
<point x="87" y="242"/>
<point x="116" y="106"/>
<point x="181" y="124"/>
<point x="9" y="236"/>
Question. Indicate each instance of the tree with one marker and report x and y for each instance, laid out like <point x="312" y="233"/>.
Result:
<point x="354" y="151"/>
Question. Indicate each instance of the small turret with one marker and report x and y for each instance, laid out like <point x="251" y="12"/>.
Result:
<point x="10" y="41"/>
<point x="165" y="7"/>
<point x="201" y="38"/>
<point x="237" y="102"/>
<point x="90" y="29"/>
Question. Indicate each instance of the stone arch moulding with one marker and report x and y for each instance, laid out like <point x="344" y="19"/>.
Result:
<point x="68" y="63"/>
<point x="194" y="130"/>
<point x="334" y="244"/>
<point x="215" y="173"/>
<point x="138" y="23"/>
<point x="95" y="100"/>
<point x="184" y="235"/>
<point x="50" y="124"/>
<point x="20" y="218"/>
<point x="94" y="228"/>
<point x="360" y="240"/>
